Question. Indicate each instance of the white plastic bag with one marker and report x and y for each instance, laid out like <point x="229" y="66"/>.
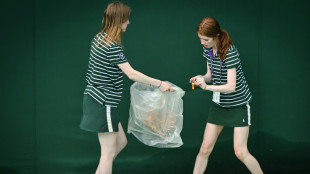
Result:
<point x="155" y="117"/>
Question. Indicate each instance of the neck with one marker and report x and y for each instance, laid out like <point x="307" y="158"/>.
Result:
<point x="214" y="50"/>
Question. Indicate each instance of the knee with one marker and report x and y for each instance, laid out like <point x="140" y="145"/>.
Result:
<point x="205" y="150"/>
<point x="241" y="153"/>
<point x="124" y="143"/>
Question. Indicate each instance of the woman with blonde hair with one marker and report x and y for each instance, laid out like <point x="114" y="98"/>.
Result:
<point x="231" y="95"/>
<point x="104" y="79"/>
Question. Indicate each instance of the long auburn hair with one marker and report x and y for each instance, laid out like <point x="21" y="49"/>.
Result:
<point x="114" y="16"/>
<point x="209" y="27"/>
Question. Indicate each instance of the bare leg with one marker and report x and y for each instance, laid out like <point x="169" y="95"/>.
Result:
<point x="210" y="136"/>
<point x="121" y="141"/>
<point x="241" y="150"/>
<point x="111" y="144"/>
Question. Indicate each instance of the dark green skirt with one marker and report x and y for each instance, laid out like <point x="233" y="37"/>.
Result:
<point x="98" y="117"/>
<point x="231" y="117"/>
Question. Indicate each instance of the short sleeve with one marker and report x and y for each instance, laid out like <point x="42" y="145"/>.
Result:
<point x="117" y="55"/>
<point x="232" y="58"/>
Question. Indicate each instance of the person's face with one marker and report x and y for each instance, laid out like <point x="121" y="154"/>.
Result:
<point x="124" y="25"/>
<point x="207" y="42"/>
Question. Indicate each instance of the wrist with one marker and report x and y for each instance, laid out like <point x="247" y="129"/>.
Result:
<point x="206" y="87"/>
<point x="160" y="84"/>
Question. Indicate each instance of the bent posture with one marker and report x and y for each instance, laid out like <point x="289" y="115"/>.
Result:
<point x="231" y="95"/>
<point x="104" y="78"/>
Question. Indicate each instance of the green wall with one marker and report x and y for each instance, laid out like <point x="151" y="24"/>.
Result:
<point x="44" y="55"/>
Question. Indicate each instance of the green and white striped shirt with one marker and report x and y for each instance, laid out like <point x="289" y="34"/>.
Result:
<point x="104" y="78"/>
<point x="242" y="95"/>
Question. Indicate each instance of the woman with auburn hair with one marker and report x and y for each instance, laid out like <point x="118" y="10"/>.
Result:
<point x="104" y="79"/>
<point x="231" y="95"/>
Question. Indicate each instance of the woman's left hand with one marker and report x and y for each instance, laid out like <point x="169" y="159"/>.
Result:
<point x="200" y="81"/>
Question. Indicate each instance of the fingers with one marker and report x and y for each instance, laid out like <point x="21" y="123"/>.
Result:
<point x="166" y="87"/>
<point x="171" y="89"/>
<point x="200" y="80"/>
<point x="191" y="80"/>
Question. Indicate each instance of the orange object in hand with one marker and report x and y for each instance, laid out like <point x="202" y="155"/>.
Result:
<point x="193" y="85"/>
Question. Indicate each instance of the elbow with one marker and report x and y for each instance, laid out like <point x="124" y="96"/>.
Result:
<point x="232" y="88"/>
<point x="132" y="76"/>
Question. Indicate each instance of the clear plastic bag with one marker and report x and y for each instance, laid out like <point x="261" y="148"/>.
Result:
<point x="155" y="117"/>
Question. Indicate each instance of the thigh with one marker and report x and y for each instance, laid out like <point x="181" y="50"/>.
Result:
<point x="241" y="135"/>
<point x="108" y="141"/>
<point x="121" y="137"/>
<point x="211" y="134"/>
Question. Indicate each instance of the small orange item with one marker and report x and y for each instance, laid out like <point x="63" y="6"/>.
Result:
<point x="193" y="85"/>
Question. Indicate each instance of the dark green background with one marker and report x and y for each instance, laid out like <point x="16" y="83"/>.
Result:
<point x="44" y="55"/>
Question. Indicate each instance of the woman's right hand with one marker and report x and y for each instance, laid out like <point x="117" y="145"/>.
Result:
<point x="193" y="79"/>
<point x="165" y="87"/>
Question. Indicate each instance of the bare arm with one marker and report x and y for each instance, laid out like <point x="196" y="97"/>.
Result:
<point x="207" y="77"/>
<point x="137" y="76"/>
<point x="230" y="86"/>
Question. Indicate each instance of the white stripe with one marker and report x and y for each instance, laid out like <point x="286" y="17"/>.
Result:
<point x="249" y="114"/>
<point x="93" y="96"/>
<point x="109" y="118"/>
